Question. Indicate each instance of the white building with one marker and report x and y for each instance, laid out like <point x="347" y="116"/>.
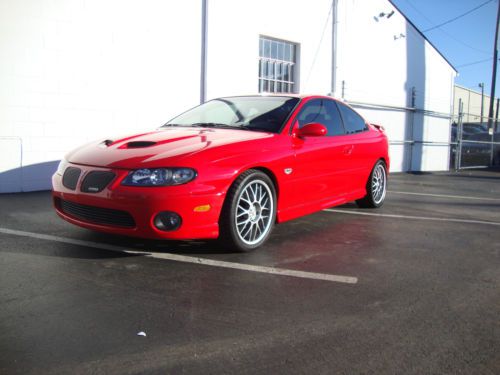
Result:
<point x="475" y="105"/>
<point x="76" y="70"/>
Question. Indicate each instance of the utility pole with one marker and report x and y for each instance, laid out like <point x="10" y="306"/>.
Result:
<point x="494" y="73"/>
<point x="482" y="100"/>
<point x="204" y="42"/>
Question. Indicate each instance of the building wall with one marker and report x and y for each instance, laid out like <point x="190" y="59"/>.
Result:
<point x="385" y="60"/>
<point x="233" y="46"/>
<point x="471" y="100"/>
<point x="76" y="70"/>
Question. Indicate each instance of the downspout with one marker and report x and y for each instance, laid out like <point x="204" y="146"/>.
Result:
<point x="334" y="47"/>
<point x="204" y="40"/>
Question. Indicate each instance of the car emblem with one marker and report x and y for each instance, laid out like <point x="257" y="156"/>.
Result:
<point x="288" y="170"/>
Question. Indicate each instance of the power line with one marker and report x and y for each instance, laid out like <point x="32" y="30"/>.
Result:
<point x="475" y="62"/>
<point x="446" y="33"/>
<point x="419" y="12"/>
<point x="463" y="43"/>
<point x="458" y="17"/>
<point x="320" y="42"/>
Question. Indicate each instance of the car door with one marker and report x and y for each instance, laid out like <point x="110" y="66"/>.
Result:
<point x="320" y="162"/>
<point x="361" y="155"/>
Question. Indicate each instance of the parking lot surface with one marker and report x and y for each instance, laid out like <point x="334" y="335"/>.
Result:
<point x="410" y="288"/>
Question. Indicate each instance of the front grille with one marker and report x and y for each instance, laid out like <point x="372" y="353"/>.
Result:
<point x="96" y="181"/>
<point x="96" y="215"/>
<point x="70" y="177"/>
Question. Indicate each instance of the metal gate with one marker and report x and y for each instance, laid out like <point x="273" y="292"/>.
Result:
<point x="474" y="144"/>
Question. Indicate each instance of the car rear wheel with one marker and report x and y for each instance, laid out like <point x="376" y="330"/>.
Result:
<point x="376" y="187"/>
<point x="249" y="212"/>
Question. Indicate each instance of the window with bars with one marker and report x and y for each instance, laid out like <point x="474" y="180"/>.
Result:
<point x="277" y="66"/>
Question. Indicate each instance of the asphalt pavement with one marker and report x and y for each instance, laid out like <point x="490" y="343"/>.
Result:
<point x="410" y="288"/>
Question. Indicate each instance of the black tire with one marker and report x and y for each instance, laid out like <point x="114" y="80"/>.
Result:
<point x="249" y="212"/>
<point x="376" y="187"/>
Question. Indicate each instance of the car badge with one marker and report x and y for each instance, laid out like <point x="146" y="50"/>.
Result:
<point x="288" y="170"/>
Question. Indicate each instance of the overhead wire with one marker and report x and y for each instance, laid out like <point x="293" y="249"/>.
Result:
<point x="445" y="32"/>
<point x="458" y="17"/>
<point x="320" y="42"/>
<point x="475" y="62"/>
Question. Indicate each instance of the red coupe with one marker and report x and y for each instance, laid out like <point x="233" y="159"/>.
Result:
<point x="229" y="169"/>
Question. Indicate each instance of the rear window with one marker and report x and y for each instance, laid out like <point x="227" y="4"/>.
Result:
<point x="353" y="123"/>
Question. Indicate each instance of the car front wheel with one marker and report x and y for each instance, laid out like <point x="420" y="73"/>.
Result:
<point x="376" y="187"/>
<point x="249" y="212"/>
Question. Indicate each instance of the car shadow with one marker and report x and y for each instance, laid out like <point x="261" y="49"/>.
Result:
<point x="65" y="250"/>
<point x="201" y="247"/>
<point x="289" y="231"/>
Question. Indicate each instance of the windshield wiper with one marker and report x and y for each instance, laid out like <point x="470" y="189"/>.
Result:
<point x="166" y="125"/>
<point x="215" y="125"/>
<point x="209" y="125"/>
<point x="259" y="129"/>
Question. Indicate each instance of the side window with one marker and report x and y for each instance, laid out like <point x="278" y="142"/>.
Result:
<point x="353" y="122"/>
<point x="324" y="112"/>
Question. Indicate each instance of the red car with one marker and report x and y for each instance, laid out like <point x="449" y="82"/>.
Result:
<point x="228" y="169"/>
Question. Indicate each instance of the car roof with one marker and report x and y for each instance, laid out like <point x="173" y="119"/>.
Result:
<point x="282" y="95"/>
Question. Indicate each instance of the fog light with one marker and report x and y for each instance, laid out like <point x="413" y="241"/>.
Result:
<point x="167" y="221"/>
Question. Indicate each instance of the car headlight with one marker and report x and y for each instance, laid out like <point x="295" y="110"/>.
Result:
<point x="159" y="177"/>
<point x="61" y="167"/>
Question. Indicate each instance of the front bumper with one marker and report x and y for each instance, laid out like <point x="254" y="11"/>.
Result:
<point x="101" y="211"/>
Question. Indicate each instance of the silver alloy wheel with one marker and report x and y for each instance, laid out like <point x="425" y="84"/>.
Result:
<point x="254" y="212"/>
<point x="379" y="183"/>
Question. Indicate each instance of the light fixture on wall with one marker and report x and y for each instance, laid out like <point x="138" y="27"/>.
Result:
<point x="382" y="15"/>
<point x="481" y="86"/>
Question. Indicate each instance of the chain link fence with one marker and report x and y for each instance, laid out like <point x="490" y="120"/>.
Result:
<point x="474" y="140"/>
<point x="474" y="144"/>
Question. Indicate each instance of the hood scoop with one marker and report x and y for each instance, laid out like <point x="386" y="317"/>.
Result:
<point x="105" y="143"/>
<point x="139" y="144"/>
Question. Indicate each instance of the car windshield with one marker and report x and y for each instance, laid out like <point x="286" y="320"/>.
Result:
<point x="259" y="113"/>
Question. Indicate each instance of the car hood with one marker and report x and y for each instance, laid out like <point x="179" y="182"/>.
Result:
<point x="164" y="147"/>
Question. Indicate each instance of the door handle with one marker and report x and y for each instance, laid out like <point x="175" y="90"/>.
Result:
<point x="348" y="150"/>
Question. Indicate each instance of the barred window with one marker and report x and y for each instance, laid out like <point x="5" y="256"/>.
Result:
<point x="277" y="65"/>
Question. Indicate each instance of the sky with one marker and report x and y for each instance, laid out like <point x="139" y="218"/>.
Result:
<point x="467" y="42"/>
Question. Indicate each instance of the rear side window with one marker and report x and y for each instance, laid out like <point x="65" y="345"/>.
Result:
<point x="322" y="111"/>
<point x="353" y="122"/>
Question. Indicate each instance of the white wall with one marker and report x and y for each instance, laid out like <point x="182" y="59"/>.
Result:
<point x="233" y="47"/>
<point x="77" y="70"/>
<point x="471" y="100"/>
<point x="380" y="60"/>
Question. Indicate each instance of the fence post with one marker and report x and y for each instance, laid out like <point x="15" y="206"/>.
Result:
<point x="496" y="117"/>
<point x="492" y="148"/>
<point x="458" y="153"/>
<point x="411" y="117"/>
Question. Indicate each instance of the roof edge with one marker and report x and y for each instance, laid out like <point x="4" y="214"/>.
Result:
<point x="423" y="35"/>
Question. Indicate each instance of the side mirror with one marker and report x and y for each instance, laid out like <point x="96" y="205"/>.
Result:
<point x="311" y="130"/>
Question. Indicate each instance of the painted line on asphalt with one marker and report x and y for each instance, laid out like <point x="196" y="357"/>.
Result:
<point x="428" y="218"/>
<point x="252" y="268"/>
<point x="445" y="196"/>
<point x="187" y="259"/>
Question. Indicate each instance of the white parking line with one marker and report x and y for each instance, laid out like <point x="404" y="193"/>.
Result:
<point x="445" y="196"/>
<point x="467" y="221"/>
<point x="187" y="259"/>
